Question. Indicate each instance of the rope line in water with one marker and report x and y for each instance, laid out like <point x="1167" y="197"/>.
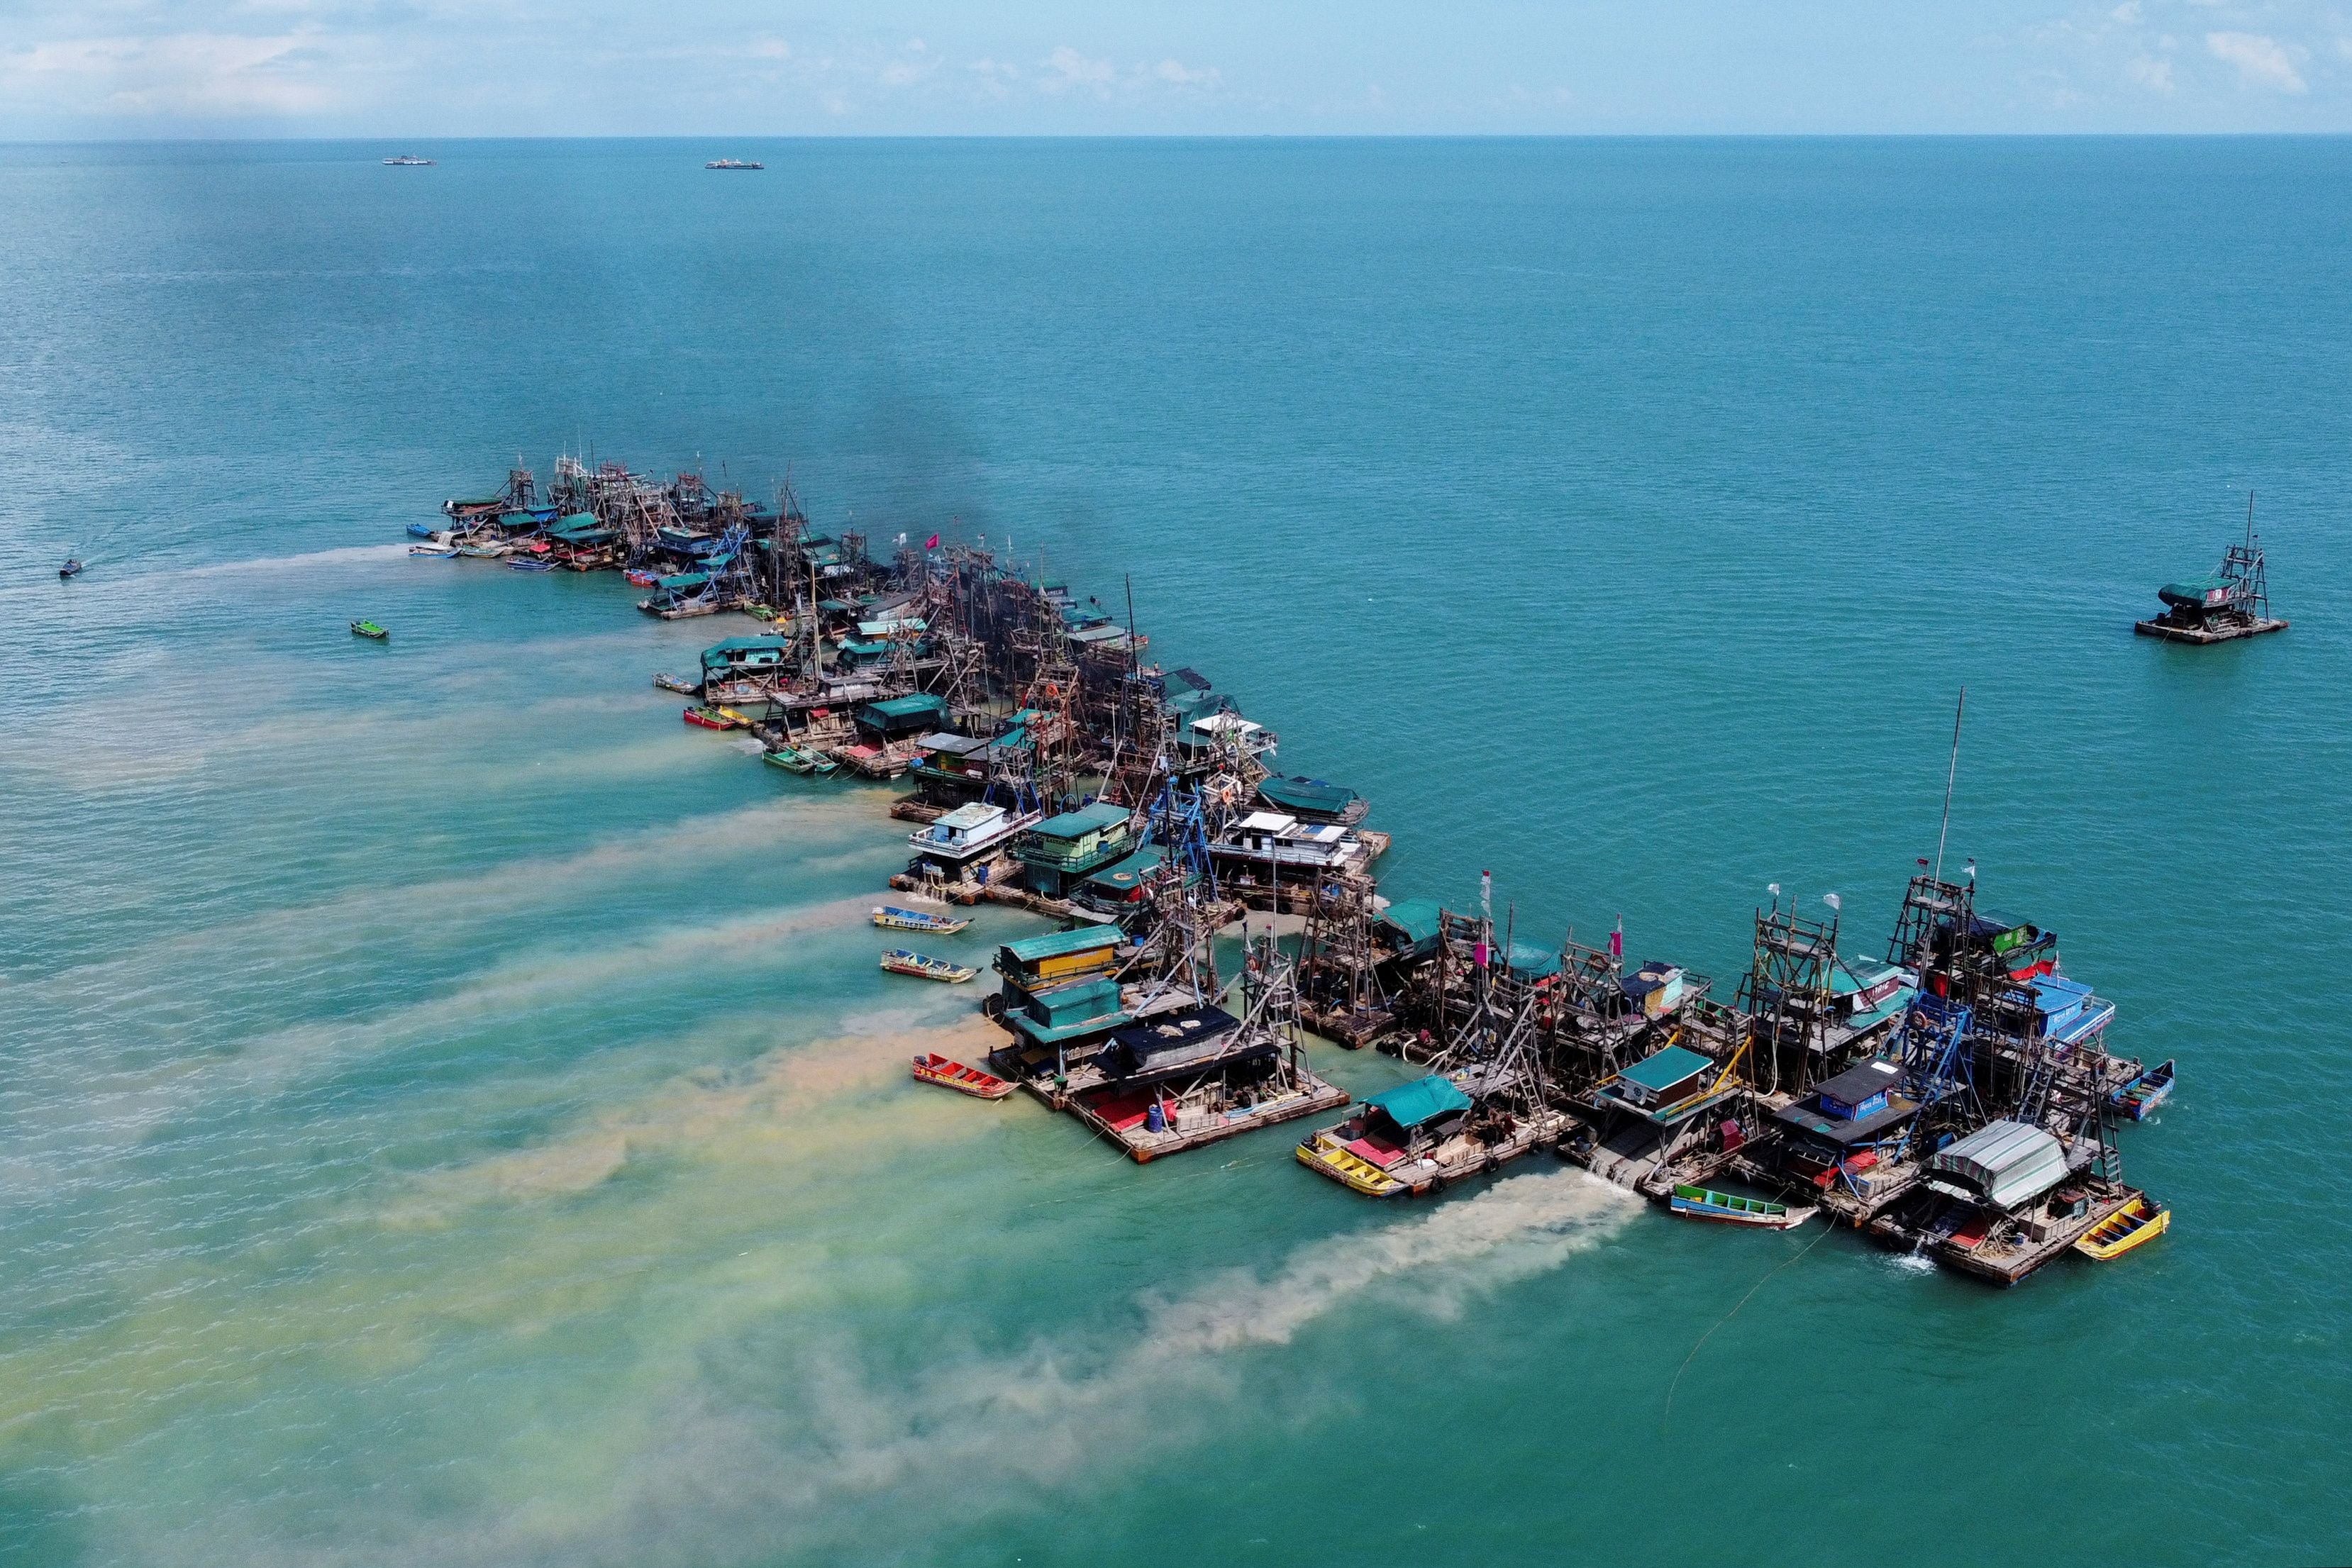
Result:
<point x="1669" y="1412"/>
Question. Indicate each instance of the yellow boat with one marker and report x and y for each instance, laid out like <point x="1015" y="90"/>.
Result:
<point x="1324" y="1154"/>
<point x="2137" y="1222"/>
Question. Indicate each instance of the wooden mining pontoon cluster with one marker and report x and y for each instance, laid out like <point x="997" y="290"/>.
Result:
<point x="1952" y="1097"/>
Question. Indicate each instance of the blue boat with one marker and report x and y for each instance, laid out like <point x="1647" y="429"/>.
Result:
<point x="421" y="531"/>
<point x="2145" y="1093"/>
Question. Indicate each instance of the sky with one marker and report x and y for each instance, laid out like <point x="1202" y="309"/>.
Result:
<point x="394" y="68"/>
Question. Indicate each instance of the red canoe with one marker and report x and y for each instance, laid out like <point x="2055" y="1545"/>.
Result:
<point x="933" y="1068"/>
<point x="710" y="718"/>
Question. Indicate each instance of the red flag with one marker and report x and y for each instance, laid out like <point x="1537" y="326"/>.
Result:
<point x="1617" y="939"/>
<point x="932" y="543"/>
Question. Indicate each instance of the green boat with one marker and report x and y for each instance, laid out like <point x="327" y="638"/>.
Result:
<point x="792" y="760"/>
<point x="1729" y="1208"/>
<point x="369" y="629"/>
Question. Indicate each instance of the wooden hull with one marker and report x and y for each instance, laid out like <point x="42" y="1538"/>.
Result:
<point x="933" y="1068"/>
<point x="913" y="920"/>
<point x="1323" y="1154"/>
<point x="2144" y="1093"/>
<point x="703" y="718"/>
<point x="923" y="969"/>
<point x="1719" y="1208"/>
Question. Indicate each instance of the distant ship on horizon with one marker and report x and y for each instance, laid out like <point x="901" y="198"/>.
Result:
<point x="408" y="160"/>
<point x="731" y="163"/>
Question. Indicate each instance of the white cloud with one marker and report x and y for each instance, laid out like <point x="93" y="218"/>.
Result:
<point x="2262" y="61"/>
<point x="1178" y="73"/>
<point x="196" y="73"/>
<point x="2152" y="74"/>
<point x="1072" y="69"/>
<point x="2128" y="13"/>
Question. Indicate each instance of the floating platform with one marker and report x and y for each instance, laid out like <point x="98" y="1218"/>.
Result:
<point x="1328" y="1153"/>
<point x="1114" y="1118"/>
<point x="2007" y="1250"/>
<point x="2171" y="632"/>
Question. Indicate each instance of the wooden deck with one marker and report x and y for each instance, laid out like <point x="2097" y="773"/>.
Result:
<point x="2157" y="627"/>
<point x="1192" y="1129"/>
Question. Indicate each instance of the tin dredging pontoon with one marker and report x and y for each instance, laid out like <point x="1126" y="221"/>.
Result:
<point x="2233" y="600"/>
<point x="1954" y="1096"/>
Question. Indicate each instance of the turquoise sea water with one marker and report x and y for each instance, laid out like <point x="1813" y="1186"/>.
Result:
<point x="447" y="1109"/>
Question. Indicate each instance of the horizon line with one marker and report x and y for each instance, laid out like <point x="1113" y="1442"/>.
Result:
<point x="387" y="137"/>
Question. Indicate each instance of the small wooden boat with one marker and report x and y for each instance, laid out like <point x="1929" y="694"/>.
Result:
<point x="899" y="961"/>
<point x="519" y="563"/>
<point x="898" y="919"/>
<point x="482" y="551"/>
<point x="672" y="684"/>
<point x="800" y="759"/>
<point x="70" y="568"/>
<point x="442" y="552"/>
<point x="2140" y="1219"/>
<point x="369" y="629"/>
<point x="639" y="577"/>
<point x="2145" y="1093"/>
<point x="713" y="718"/>
<point x="932" y="1068"/>
<point x="1729" y="1208"/>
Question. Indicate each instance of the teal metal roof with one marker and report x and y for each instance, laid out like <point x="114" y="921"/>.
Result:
<point x="915" y="707"/>
<point x="1083" y="820"/>
<point x="1061" y="943"/>
<point x="750" y="644"/>
<point x="1666" y="1069"/>
<point x="685" y="580"/>
<point x="1411" y="1104"/>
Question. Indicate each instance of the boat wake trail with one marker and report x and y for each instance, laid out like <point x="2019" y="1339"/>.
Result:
<point x="831" y="1461"/>
<point x="305" y="561"/>
<point x="841" y="1460"/>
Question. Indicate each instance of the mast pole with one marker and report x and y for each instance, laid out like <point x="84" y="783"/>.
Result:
<point x="1949" y="775"/>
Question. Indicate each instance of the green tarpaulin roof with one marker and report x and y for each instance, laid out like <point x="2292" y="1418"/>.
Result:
<point x="1666" y="1069"/>
<point x="1061" y="943"/>
<point x="770" y="642"/>
<point x="1528" y="959"/>
<point x="1123" y="876"/>
<point x="1411" y="1104"/>
<point x="685" y="580"/>
<point x="1416" y="917"/>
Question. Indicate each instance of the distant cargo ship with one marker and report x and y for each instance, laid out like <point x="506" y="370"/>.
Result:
<point x="408" y="160"/>
<point x="731" y="163"/>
